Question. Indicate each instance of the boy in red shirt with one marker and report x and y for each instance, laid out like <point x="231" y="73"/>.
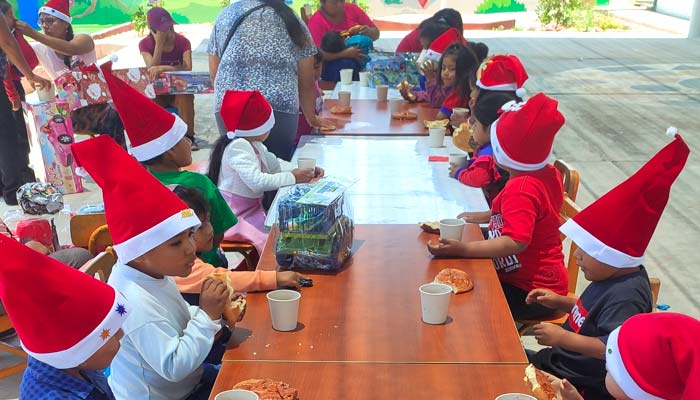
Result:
<point x="524" y="226"/>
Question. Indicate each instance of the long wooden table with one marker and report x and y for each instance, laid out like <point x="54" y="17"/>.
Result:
<point x="396" y="182"/>
<point x="370" y="311"/>
<point x="371" y="381"/>
<point x="373" y="118"/>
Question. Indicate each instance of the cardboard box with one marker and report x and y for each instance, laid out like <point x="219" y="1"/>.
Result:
<point x="138" y="79"/>
<point x="68" y="89"/>
<point x="189" y="82"/>
<point x="50" y="134"/>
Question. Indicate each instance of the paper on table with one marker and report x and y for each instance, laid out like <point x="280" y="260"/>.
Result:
<point x="438" y="159"/>
<point x="327" y="190"/>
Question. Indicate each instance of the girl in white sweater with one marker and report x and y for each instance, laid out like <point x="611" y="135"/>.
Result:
<point x="243" y="168"/>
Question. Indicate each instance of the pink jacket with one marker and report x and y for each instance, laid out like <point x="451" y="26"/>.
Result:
<point x="242" y="281"/>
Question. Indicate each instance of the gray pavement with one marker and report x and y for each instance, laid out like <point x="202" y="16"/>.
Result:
<point x="619" y="96"/>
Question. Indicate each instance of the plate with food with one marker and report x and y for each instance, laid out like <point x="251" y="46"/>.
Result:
<point x="438" y="123"/>
<point x="268" y="389"/>
<point x="459" y="280"/>
<point x="341" y="110"/>
<point x="404" y="115"/>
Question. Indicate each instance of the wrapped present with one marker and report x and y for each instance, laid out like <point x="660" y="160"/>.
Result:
<point x="326" y="252"/>
<point x="93" y="87"/>
<point x="137" y="78"/>
<point x="392" y="68"/>
<point x="188" y="82"/>
<point x="51" y="134"/>
<point x="37" y="198"/>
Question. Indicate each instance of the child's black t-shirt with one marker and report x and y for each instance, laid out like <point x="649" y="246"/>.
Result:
<point x="602" y="307"/>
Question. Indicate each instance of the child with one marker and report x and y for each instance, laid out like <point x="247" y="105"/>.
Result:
<point x="334" y="42"/>
<point x="498" y="73"/>
<point x="242" y="281"/>
<point x="165" y="50"/>
<point x="523" y="230"/>
<point x="158" y="140"/>
<point x="243" y="168"/>
<point x="69" y="324"/>
<point x="481" y="170"/>
<point x="304" y="127"/>
<point x="456" y="65"/>
<point x="612" y="234"/>
<point x="165" y="341"/>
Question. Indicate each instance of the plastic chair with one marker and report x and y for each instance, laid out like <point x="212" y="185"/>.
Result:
<point x="82" y="227"/>
<point x="100" y="239"/>
<point x="655" y="284"/>
<point x="17" y="368"/>
<point x="247" y="250"/>
<point x="101" y="266"/>
<point x="570" y="178"/>
<point x="568" y="210"/>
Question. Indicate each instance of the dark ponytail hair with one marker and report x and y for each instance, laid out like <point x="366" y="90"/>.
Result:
<point x="294" y="28"/>
<point x="484" y="92"/>
<point x="216" y="158"/>
<point x="480" y="49"/>
<point x="69" y="36"/>
<point x="194" y="198"/>
<point x="451" y="17"/>
<point x="487" y="107"/>
<point x="430" y="29"/>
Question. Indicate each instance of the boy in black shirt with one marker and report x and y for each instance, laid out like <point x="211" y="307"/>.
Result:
<point x="612" y="235"/>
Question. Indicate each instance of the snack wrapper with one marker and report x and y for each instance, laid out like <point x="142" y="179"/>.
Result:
<point x="38" y="198"/>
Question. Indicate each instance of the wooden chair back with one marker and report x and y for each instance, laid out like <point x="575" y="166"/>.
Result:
<point x="100" y="240"/>
<point x="101" y="266"/>
<point x="18" y="367"/>
<point x="247" y="250"/>
<point x="570" y="178"/>
<point x="83" y="225"/>
<point x="655" y="284"/>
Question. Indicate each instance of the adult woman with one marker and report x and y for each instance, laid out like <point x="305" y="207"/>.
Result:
<point x="271" y="51"/>
<point x="411" y="43"/>
<point x="164" y="50"/>
<point x="337" y="15"/>
<point x="59" y="50"/>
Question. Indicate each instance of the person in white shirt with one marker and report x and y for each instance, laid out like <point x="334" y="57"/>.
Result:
<point x="244" y="169"/>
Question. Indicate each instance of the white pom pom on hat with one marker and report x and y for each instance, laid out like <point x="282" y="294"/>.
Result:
<point x="672" y="131"/>
<point x="520" y="92"/>
<point x="114" y="58"/>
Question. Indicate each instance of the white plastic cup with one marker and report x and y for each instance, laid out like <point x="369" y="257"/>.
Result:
<point x="346" y="76"/>
<point x="460" y="112"/>
<point x="306" y="163"/>
<point x="437" y="137"/>
<point x="284" y="309"/>
<point x="434" y="302"/>
<point x="515" y="396"/>
<point x="452" y="228"/>
<point x="344" y="98"/>
<point x="46" y="95"/>
<point x="458" y="159"/>
<point x="382" y="92"/>
<point x="237" y="394"/>
<point x="395" y="105"/>
<point x="364" y="79"/>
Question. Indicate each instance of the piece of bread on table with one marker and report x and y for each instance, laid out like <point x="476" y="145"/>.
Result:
<point x="458" y="279"/>
<point x="236" y="307"/>
<point x="341" y="110"/>
<point x="438" y="123"/>
<point x="430" y="226"/>
<point x="404" y="115"/>
<point x="267" y="389"/>
<point x="540" y="385"/>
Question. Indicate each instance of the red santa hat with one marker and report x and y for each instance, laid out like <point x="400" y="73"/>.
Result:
<point x="141" y="212"/>
<point x="57" y="8"/>
<point x="656" y="356"/>
<point x="502" y="72"/>
<point x="246" y="113"/>
<point x="439" y="45"/>
<point x="616" y="228"/>
<point x="62" y="316"/>
<point x="151" y="129"/>
<point x="523" y="135"/>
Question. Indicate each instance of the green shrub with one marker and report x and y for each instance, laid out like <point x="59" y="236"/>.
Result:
<point x="560" y="12"/>
<point x="138" y="20"/>
<point x="496" y="6"/>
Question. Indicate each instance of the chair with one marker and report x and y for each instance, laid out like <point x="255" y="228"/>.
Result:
<point x="568" y="210"/>
<point x="247" y="250"/>
<point x="5" y="325"/>
<point x="100" y="239"/>
<point x="100" y="267"/>
<point x="655" y="284"/>
<point x="82" y="227"/>
<point x="570" y="177"/>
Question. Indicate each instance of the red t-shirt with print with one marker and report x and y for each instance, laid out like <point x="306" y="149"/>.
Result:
<point x="319" y="25"/>
<point x="527" y="211"/>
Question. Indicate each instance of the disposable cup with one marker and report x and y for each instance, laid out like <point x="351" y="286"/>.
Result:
<point x="395" y="105"/>
<point x="382" y="92"/>
<point x="515" y="396"/>
<point x="434" y="301"/>
<point x="284" y="309"/>
<point x="306" y="163"/>
<point x="346" y="76"/>
<point x="364" y="79"/>
<point x="458" y="159"/>
<point x="452" y="228"/>
<point x="237" y="394"/>
<point x="437" y="137"/>
<point x="344" y="98"/>
<point x="460" y="112"/>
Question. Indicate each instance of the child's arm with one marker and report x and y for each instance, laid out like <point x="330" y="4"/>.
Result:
<point x="12" y="94"/>
<point x="252" y="281"/>
<point x="435" y="93"/>
<point x="476" y="175"/>
<point x="550" y="299"/>
<point x="493" y="248"/>
<point x="276" y="164"/>
<point x="248" y="167"/>
<point x="548" y="334"/>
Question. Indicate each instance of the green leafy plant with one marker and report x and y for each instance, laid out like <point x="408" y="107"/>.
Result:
<point x="559" y="12"/>
<point x="138" y="20"/>
<point x="496" y="6"/>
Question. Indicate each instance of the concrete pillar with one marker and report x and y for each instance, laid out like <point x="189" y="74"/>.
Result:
<point x="694" y="31"/>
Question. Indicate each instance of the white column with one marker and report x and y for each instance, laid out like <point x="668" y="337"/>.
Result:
<point x="694" y="31"/>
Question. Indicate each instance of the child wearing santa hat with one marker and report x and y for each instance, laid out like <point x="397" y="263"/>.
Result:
<point x="165" y="341"/>
<point x="159" y="140"/>
<point x="242" y="167"/>
<point x="458" y="62"/>
<point x="612" y="235"/>
<point x="69" y="324"/>
<point x="523" y="229"/>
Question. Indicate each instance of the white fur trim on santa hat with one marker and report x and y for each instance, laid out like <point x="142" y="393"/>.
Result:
<point x="432" y="55"/>
<point x="156" y="235"/>
<point x="672" y="131"/>
<point x="597" y="249"/>
<point x="616" y="368"/>
<point x="55" y="13"/>
<point x="504" y="159"/>
<point x="254" y="132"/>
<point x="84" y="349"/>
<point x="165" y="142"/>
<point x="506" y="87"/>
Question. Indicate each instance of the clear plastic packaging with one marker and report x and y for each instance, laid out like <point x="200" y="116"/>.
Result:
<point x="38" y="198"/>
<point x="314" y="236"/>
